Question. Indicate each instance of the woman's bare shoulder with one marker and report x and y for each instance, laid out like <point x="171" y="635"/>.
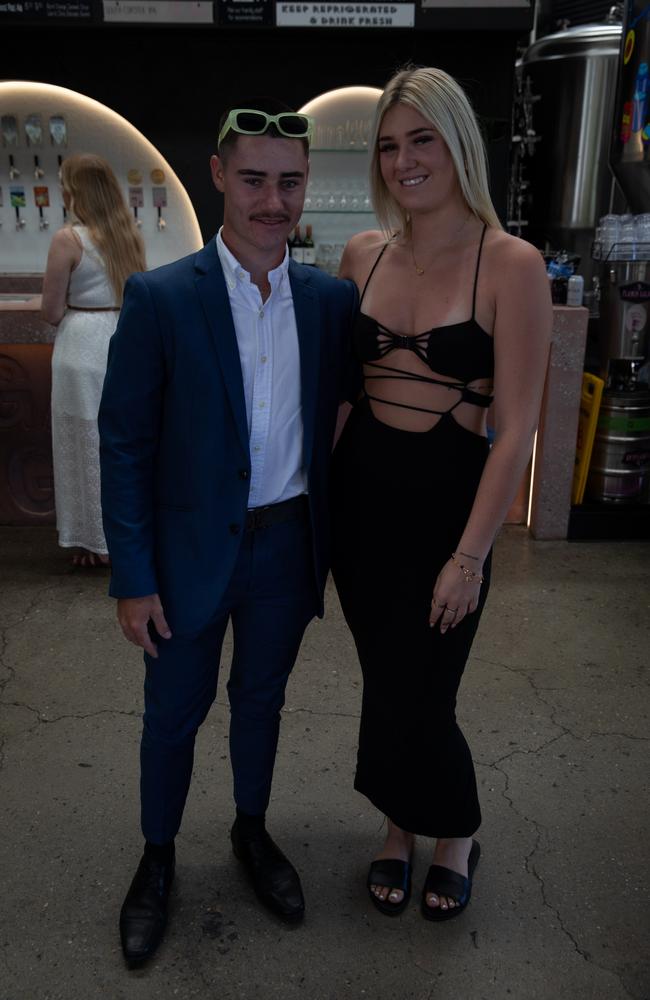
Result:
<point x="370" y="239"/>
<point x="505" y="249"/>
<point x="66" y="241"/>
<point x="360" y="252"/>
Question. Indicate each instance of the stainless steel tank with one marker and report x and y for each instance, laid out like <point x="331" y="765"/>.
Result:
<point x="574" y="73"/>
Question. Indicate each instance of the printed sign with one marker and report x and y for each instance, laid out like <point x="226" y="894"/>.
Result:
<point x="636" y="317"/>
<point x="637" y="291"/>
<point x="136" y="197"/>
<point x="476" y="3"/>
<point x="17" y="196"/>
<point x="162" y="11"/>
<point x="246" y="13"/>
<point x="159" y="195"/>
<point x="345" y="15"/>
<point x="42" y="197"/>
<point x="46" y="10"/>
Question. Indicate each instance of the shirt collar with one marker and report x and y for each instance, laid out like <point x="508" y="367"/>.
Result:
<point x="235" y="274"/>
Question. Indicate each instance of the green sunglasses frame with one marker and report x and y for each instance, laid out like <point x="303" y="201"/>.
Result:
<point x="231" y="123"/>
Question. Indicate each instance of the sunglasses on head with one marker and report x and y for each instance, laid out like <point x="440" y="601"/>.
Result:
<point x="246" y="121"/>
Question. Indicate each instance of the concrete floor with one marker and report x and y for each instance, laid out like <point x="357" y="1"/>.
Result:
<point x="554" y="704"/>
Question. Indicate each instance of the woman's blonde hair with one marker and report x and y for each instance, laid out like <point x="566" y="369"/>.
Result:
<point x="443" y="102"/>
<point x="98" y="203"/>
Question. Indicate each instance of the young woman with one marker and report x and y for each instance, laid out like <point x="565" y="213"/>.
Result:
<point x="454" y="312"/>
<point x="87" y="266"/>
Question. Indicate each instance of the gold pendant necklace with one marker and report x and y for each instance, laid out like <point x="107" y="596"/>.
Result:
<point x="420" y="270"/>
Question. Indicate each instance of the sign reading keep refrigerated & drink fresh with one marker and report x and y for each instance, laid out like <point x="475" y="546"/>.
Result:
<point x="344" y="15"/>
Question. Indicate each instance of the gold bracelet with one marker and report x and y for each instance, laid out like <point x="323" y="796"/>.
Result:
<point x="469" y="574"/>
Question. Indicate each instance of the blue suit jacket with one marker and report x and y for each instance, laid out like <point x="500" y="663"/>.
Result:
<point x="175" y="462"/>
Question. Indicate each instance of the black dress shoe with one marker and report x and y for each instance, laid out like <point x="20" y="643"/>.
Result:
<point x="144" y="912"/>
<point x="274" y="879"/>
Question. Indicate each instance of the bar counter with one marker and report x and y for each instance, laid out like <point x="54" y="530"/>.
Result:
<point x="26" y="482"/>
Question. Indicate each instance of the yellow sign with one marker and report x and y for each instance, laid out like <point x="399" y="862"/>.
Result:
<point x="592" y="390"/>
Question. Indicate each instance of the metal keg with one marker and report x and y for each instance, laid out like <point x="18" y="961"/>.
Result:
<point x="620" y="462"/>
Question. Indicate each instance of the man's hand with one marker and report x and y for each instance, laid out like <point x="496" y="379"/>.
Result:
<point x="134" y="614"/>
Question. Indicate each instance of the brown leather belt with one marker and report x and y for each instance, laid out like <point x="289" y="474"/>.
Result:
<point x="96" y="309"/>
<point x="294" y="509"/>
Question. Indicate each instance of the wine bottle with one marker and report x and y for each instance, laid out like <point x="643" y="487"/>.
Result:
<point x="309" y="250"/>
<point x="297" y="246"/>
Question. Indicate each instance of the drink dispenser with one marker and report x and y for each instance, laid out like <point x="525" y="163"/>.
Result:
<point x="622" y="248"/>
<point x="619" y="472"/>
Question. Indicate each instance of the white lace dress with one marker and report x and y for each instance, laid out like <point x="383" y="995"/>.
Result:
<point x="78" y="369"/>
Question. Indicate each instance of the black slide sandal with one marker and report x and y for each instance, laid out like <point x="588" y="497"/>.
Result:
<point x="445" y="882"/>
<point x="390" y="873"/>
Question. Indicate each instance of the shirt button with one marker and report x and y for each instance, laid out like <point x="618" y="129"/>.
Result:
<point x="262" y="405"/>
<point x="264" y="359"/>
<point x="261" y="314"/>
<point x="257" y="448"/>
<point x="243" y="473"/>
<point x="234" y="529"/>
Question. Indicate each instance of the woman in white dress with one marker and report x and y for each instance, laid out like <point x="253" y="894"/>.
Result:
<point x="87" y="266"/>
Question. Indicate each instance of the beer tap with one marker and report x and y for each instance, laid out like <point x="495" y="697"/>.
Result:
<point x="14" y="172"/>
<point x="42" y="200"/>
<point x="38" y="170"/>
<point x="17" y="197"/>
<point x="136" y="193"/>
<point x="159" y="195"/>
<point x="59" y="160"/>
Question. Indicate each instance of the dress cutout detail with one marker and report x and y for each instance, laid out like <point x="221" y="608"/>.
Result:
<point x="462" y="350"/>
<point x="78" y="370"/>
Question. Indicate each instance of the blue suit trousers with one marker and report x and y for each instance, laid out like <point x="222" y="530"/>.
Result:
<point x="270" y="600"/>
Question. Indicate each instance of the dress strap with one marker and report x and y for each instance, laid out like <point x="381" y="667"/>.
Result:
<point x="372" y="271"/>
<point x="478" y="264"/>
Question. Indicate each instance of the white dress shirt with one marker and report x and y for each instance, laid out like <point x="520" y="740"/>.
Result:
<point x="267" y="338"/>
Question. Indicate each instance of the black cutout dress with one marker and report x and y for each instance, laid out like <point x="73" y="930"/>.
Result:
<point x="401" y="500"/>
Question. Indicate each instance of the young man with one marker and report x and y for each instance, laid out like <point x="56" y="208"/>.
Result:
<point x="216" y="422"/>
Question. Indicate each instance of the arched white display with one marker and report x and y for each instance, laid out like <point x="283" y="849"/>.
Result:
<point x="338" y="200"/>
<point x="91" y="128"/>
<point x="335" y="108"/>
